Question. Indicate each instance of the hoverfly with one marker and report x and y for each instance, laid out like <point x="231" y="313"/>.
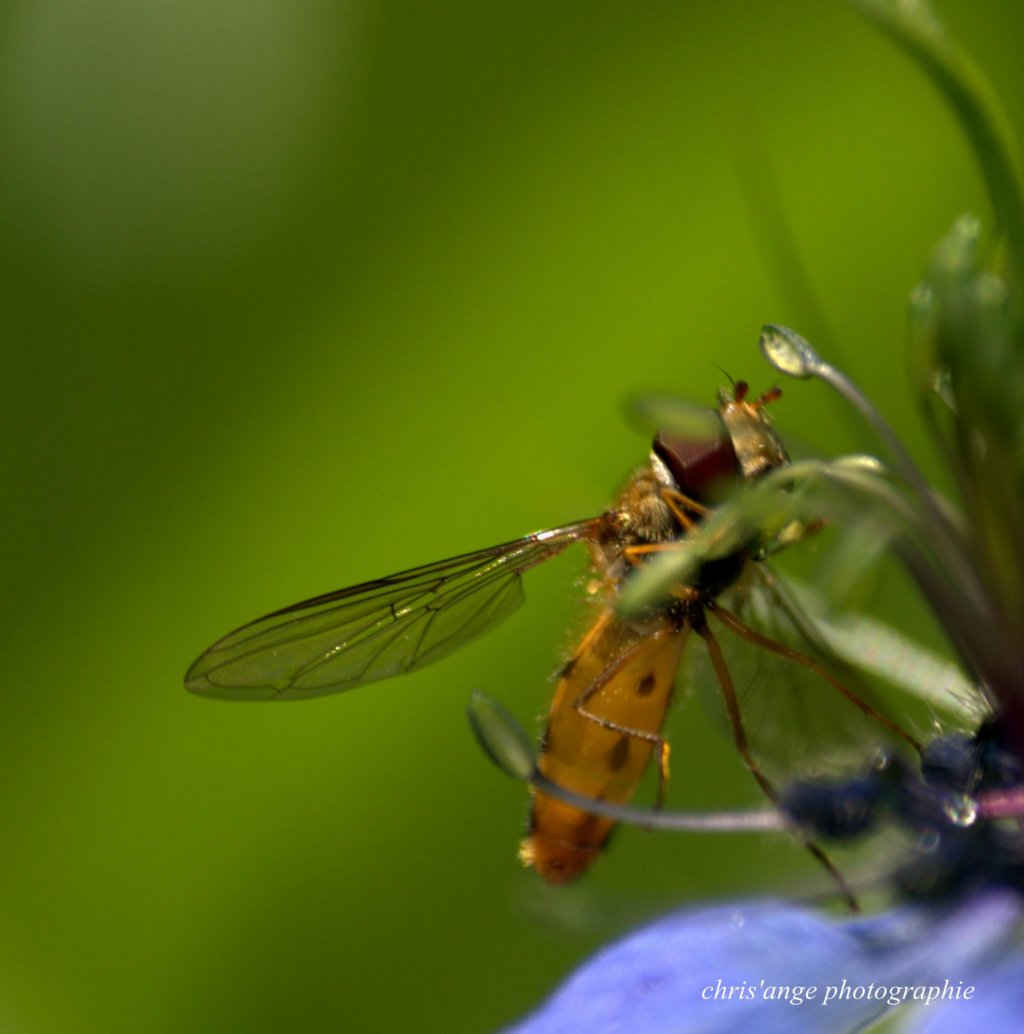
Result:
<point x="612" y="694"/>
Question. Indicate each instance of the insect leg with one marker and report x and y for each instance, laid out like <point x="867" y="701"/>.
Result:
<point x="734" y="624"/>
<point x="655" y="739"/>
<point x="682" y="506"/>
<point x="732" y="707"/>
<point x="740" y="738"/>
<point x="634" y="554"/>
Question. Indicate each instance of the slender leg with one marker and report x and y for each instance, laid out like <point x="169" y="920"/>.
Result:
<point x="734" y="624"/>
<point x="732" y="707"/>
<point x="682" y="506"/>
<point x="739" y="736"/>
<point x="634" y="553"/>
<point x="595" y="687"/>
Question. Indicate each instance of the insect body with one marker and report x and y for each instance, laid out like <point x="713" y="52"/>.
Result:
<point x="613" y="693"/>
<point x="615" y="690"/>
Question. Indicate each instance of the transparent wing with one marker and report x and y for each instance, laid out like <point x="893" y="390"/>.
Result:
<point x="878" y="650"/>
<point x="377" y="629"/>
<point x="797" y="723"/>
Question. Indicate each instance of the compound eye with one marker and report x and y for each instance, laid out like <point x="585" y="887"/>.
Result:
<point x="702" y="470"/>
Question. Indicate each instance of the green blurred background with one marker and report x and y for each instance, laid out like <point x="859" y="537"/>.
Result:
<point x="300" y="293"/>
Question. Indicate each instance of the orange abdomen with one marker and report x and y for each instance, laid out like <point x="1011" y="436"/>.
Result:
<point x="624" y="676"/>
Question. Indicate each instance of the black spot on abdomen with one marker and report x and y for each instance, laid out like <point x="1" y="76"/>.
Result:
<point x="645" y="687"/>
<point x="619" y="754"/>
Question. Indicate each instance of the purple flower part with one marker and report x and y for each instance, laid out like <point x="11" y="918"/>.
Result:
<point x="993" y="1003"/>
<point x="770" y="967"/>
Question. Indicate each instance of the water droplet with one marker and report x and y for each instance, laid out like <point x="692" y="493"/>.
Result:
<point x="788" y="352"/>
<point x="929" y="842"/>
<point x="859" y="462"/>
<point x="961" y="810"/>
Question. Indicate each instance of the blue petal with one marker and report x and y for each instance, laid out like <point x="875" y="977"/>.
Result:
<point x="995" y="1004"/>
<point x="753" y="965"/>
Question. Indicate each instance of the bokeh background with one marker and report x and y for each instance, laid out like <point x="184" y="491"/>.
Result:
<point x="301" y="293"/>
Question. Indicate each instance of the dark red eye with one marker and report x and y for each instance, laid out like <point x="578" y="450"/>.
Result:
<point x="700" y="468"/>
